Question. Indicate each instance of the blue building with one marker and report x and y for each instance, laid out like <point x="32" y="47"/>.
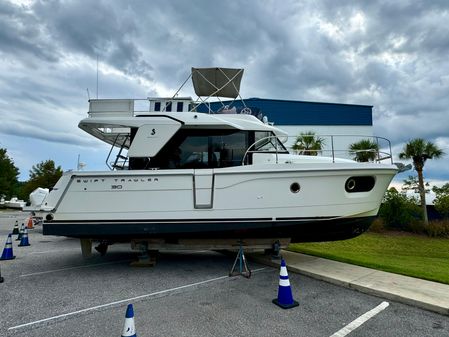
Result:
<point x="284" y="112"/>
<point x="347" y="123"/>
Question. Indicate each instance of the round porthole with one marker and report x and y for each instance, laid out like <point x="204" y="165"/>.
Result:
<point x="294" y="188"/>
<point x="350" y="184"/>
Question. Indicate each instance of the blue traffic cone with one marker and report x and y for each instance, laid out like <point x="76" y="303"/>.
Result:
<point x="129" y="330"/>
<point x="7" y="252"/>
<point x="285" y="298"/>
<point x="16" y="228"/>
<point x="24" y="239"/>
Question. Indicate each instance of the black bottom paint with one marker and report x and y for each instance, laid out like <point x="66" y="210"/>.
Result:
<point x="299" y="230"/>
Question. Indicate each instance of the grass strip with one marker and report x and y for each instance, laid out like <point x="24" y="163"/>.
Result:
<point x="396" y="252"/>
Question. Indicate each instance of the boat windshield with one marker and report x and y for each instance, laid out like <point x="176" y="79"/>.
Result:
<point x="267" y="142"/>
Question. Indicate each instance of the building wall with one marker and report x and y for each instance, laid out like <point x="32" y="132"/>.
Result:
<point x="342" y="136"/>
<point x="347" y="123"/>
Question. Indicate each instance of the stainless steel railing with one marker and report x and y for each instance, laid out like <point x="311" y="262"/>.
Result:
<point x="331" y="147"/>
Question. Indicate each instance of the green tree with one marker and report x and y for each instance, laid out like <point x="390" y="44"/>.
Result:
<point x="45" y="175"/>
<point x="441" y="201"/>
<point x="420" y="150"/>
<point x="308" y="143"/>
<point x="364" y="151"/>
<point x="8" y="175"/>
<point x="398" y="211"/>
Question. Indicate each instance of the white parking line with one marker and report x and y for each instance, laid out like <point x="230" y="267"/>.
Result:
<point x="54" y="251"/>
<point x="45" y="320"/>
<point x="71" y="268"/>
<point x="360" y="320"/>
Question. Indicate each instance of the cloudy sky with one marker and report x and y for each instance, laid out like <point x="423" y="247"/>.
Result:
<point x="389" y="54"/>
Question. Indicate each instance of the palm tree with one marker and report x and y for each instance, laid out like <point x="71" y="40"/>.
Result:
<point x="419" y="150"/>
<point x="364" y="150"/>
<point x="309" y="144"/>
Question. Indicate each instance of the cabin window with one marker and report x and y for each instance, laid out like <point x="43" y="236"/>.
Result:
<point x="202" y="149"/>
<point x="157" y="106"/>
<point x="193" y="153"/>
<point x="179" y="106"/>
<point x="168" y="107"/>
<point x="229" y="149"/>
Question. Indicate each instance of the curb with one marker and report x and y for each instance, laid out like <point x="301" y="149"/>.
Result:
<point x="360" y="283"/>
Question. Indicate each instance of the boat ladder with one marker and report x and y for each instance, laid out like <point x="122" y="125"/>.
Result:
<point x="121" y="160"/>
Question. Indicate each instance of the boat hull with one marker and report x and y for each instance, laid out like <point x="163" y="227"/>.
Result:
<point x="301" y="202"/>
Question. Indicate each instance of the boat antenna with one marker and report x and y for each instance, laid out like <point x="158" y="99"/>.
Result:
<point x="97" y="76"/>
<point x="88" y="94"/>
<point x="177" y="92"/>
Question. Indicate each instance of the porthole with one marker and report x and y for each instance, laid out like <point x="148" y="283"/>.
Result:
<point x="295" y="188"/>
<point x="350" y="184"/>
<point x="359" y="184"/>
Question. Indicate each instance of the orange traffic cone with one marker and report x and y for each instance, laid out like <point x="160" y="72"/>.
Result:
<point x="30" y="224"/>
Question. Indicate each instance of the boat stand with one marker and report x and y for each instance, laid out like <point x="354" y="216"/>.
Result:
<point x="147" y="257"/>
<point x="243" y="267"/>
<point x="276" y="255"/>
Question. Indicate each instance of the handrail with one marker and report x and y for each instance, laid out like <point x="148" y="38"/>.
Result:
<point x="254" y="144"/>
<point x="110" y="151"/>
<point x="333" y="151"/>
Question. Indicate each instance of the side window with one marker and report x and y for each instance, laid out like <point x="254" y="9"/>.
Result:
<point x="229" y="149"/>
<point x="193" y="152"/>
<point x="179" y="106"/>
<point x="168" y="107"/>
<point x="157" y="106"/>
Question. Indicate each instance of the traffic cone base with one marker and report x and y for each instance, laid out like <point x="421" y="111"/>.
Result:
<point x="285" y="306"/>
<point x="7" y="251"/>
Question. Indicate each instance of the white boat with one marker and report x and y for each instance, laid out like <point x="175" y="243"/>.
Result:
<point x="36" y="198"/>
<point x="182" y="175"/>
<point x="15" y="203"/>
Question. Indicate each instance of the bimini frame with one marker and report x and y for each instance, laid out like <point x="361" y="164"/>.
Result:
<point x="214" y="82"/>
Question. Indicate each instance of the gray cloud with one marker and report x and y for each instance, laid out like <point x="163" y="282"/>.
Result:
<point x="392" y="55"/>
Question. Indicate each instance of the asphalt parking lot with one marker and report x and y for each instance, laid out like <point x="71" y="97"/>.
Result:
<point x="50" y="290"/>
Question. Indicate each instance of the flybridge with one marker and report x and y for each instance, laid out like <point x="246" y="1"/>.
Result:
<point x="137" y="107"/>
<point x="207" y="82"/>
